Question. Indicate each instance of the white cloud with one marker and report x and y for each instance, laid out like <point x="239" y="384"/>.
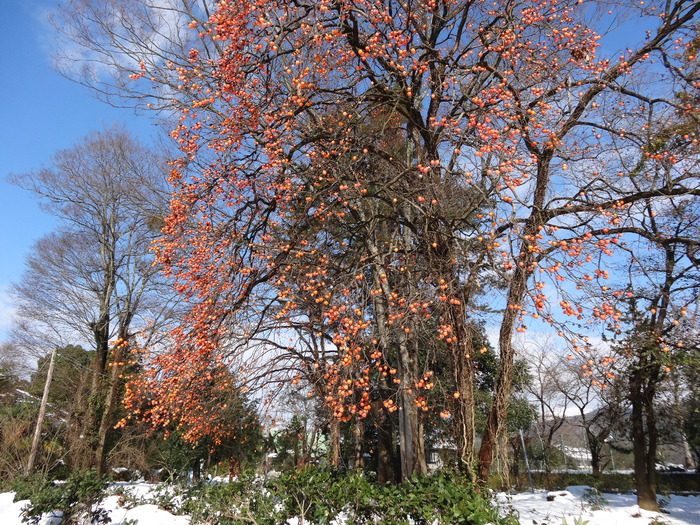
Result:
<point x="7" y="312"/>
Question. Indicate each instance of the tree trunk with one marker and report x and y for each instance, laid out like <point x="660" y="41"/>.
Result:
<point x="413" y="459"/>
<point x="644" y="464"/>
<point x="110" y="403"/>
<point x="461" y="347"/>
<point x="595" y="448"/>
<point x="196" y="470"/>
<point x="516" y="446"/>
<point x="410" y="436"/>
<point x="40" y="420"/>
<point x="689" y="462"/>
<point x="95" y="400"/>
<point x="652" y="440"/>
<point x="463" y="373"/>
<point x="358" y="442"/>
<point x="644" y="482"/>
<point x="498" y="412"/>
<point x="385" y="444"/>
<point x="334" y="431"/>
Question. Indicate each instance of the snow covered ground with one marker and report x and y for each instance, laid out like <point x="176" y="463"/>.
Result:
<point x="618" y="509"/>
<point x="533" y="509"/>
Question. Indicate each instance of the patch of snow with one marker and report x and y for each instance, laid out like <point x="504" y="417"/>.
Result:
<point x="152" y="515"/>
<point x="618" y="509"/>
<point x="11" y="512"/>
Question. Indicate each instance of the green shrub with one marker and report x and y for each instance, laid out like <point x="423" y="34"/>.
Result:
<point x="165" y="496"/>
<point x="310" y="493"/>
<point x="444" y="498"/>
<point x="77" y="499"/>
<point x="26" y="488"/>
<point x="594" y="498"/>
<point x="318" y="495"/>
<point x="239" y="502"/>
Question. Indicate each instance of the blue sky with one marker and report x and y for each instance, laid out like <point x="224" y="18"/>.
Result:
<point x="41" y="113"/>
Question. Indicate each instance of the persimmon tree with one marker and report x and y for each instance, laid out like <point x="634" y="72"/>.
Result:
<point x="511" y="110"/>
<point x="395" y="163"/>
<point x="108" y="45"/>
<point x="237" y="439"/>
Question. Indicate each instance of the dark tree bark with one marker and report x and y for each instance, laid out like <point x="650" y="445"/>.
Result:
<point x="385" y="445"/>
<point x="358" y="434"/>
<point x="644" y="432"/>
<point x="334" y="437"/>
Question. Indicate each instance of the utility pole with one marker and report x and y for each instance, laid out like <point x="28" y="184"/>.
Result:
<point x="527" y="462"/>
<point x="40" y="420"/>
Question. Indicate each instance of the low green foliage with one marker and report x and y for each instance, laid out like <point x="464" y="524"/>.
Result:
<point x="27" y="487"/>
<point x="165" y="496"/>
<point x="318" y="495"/>
<point x="594" y="498"/>
<point x="442" y="499"/>
<point x="664" y="501"/>
<point x="244" y="500"/>
<point x="77" y="499"/>
<point x="658" y="520"/>
<point x="313" y="494"/>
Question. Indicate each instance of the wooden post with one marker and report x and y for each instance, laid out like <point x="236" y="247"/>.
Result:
<point x="40" y="420"/>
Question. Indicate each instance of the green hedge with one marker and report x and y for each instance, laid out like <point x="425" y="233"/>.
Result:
<point x="674" y="482"/>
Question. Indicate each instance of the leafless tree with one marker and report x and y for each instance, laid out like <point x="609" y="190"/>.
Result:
<point x="552" y="403"/>
<point x="600" y="405"/>
<point x="93" y="281"/>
